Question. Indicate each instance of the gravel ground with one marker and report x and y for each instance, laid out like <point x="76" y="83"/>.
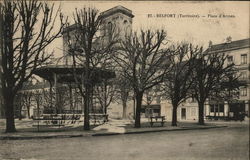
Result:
<point x="230" y="143"/>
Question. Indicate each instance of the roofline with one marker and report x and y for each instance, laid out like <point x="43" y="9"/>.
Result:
<point x="228" y="49"/>
<point x="116" y="9"/>
<point x="104" y="14"/>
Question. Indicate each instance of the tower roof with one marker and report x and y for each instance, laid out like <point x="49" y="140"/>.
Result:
<point x="117" y="9"/>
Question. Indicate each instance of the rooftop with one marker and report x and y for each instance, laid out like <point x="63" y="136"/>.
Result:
<point x="65" y="73"/>
<point x="104" y="14"/>
<point x="117" y="9"/>
<point x="243" y="43"/>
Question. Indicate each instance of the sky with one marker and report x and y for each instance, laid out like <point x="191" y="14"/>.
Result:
<point x="195" y="22"/>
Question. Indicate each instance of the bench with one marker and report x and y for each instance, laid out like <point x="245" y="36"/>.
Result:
<point x="100" y="118"/>
<point x="157" y="119"/>
<point x="49" y="121"/>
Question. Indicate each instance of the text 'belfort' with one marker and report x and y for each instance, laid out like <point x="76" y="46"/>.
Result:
<point x="190" y="16"/>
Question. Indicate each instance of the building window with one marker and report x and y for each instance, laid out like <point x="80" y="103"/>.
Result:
<point x="193" y="100"/>
<point x="243" y="91"/>
<point x="149" y="98"/>
<point x="221" y="108"/>
<point x="217" y="108"/>
<point x="211" y="108"/>
<point x="158" y="99"/>
<point x="230" y="59"/>
<point x="193" y="111"/>
<point x="244" y="59"/>
<point x="243" y="75"/>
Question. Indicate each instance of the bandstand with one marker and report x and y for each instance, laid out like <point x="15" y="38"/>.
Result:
<point x="63" y="75"/>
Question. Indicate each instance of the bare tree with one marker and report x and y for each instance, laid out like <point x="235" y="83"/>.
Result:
<point x="39" y="99"/>
<point x="89" y="50"/>
<point x="151" y="95"/>
<point x="18" y="105"/>
<point x="145" y="61"/>
<point x="63" y="97"/>
<point x="104" y="92"/>
<point x="122" y="91"/>
<point x="27" y="99"/>
<point x="228" y="89"/>
<point x="1" y="50"/>
<point x="179" y="81"/>
<point x="28" y="28"/>
<point x="48" y="98"/>
<point x="211" y="72"/>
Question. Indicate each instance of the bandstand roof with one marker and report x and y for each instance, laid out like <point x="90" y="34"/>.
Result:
<point x="64" y="73"/>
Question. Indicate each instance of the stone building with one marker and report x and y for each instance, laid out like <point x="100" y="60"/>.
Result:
<point x="117" y="20"/>
<point x="238" y="53"/>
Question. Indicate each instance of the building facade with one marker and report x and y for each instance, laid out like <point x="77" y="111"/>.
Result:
<point x="238" y="52"/>
<point x="119" y="20"/>
<point x="116" y="23"/>
<point x="66" y="97"/>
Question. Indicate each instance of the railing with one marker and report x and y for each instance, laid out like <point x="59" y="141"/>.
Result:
<point x="240" y="117"/>
<point x="52" y="111"/>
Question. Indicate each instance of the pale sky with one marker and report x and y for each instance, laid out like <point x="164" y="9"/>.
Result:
<point x="196" y="30"/>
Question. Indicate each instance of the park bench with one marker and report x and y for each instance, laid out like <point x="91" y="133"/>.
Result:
<point x="49" y="121"/>
<point x="157" y="119"/>
<point x="99" y="118"/>
<point x="71" y="118"/>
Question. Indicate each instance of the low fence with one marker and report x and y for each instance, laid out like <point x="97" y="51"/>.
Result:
<point x="53" y="111"/>
<point x="67" y="119"/>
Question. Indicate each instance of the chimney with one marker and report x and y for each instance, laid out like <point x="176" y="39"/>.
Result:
<point x="210" y="43"/>
<point x="229" y="39"/>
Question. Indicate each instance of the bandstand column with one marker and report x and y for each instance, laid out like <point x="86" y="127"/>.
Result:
<point x="207" y="109"/>
<point x="218" y="109"/>
<point x="226" y="109"/>
<point x="247" y="107"/>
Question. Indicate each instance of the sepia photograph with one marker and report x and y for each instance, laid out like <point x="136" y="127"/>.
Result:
<point x="124" y="80"/>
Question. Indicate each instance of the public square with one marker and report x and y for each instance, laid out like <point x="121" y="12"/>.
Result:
<point x="231" y="142"/>
<point x="124" y="80"/>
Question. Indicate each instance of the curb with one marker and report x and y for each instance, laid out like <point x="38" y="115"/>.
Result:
<point x="102" y="134"/>
<point x="152" y="131"/>
<point x="40" y="137"/>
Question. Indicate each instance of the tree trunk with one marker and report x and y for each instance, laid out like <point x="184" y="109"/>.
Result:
<point x="174" y="116"/>
<point x="38" y="109"/>
<point x="28" y="110"/>
<point x="9" y="113"/>
<point x="138" y="109"/>
<point x="124" y="110"/>
<point x="201" y="113"/>
<point x="106" y="110"/>
<point x="86" y="107"/>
